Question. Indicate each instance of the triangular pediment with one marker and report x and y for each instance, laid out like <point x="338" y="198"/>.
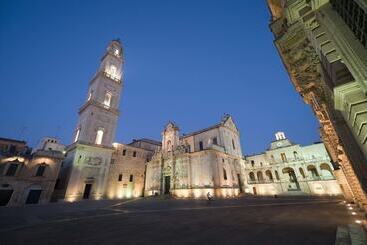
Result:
<point x="229" y="123"/>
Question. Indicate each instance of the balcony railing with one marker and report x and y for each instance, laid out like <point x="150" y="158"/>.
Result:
<point x="265" y="181"/>
<point x="112" y="77"/>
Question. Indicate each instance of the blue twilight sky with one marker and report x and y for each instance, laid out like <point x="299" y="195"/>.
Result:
<point x="186" y="61"/>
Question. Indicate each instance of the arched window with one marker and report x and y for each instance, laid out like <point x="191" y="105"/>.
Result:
<point x="233" y="145"/>
<point x="283" y="156"/>
<point x="326" y="170"/>
<point x="269" y="175"/>
<point x="302" y="172"/>
<point x="107" y="99"/>
<point x="224" y="174"/>
<point x="77" y="135"/>
<point x="295" y="154"/>
<point x="99" y="137"/>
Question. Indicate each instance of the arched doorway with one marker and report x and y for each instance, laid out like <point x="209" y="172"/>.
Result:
<point x="293" y="182"/>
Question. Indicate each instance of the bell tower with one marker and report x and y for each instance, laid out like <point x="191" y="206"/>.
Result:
<point x="98" y="116"/>
<point x="89" y="156"/>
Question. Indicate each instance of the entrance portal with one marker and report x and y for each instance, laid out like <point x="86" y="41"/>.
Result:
<point x="87" y="189"/>
<point x="167" y="184"/>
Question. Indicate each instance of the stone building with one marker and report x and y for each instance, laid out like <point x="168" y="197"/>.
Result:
<point x="12" y="146"/>
<point x="29" y="178"/>
<point x="322" y="44"/>
<point x="88" y="159"/>
<point x="192" y="165"/>
<point x="126" y="177"/>
<point x="291" y="169"/>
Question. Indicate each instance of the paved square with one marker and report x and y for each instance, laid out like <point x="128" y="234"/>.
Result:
<point x="167" y="221"/>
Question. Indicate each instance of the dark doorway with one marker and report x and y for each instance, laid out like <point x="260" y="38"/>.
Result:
<point x="239" y="183"/>
<point x="167" y="184"/>
<point x="254" y="190"/>
<point x="87" y="189"/>
<point x="5" y="196"/>
<point x="33" y="197"/>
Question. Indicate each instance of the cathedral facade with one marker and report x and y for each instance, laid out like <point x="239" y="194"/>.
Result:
<point x="192" y="165"/>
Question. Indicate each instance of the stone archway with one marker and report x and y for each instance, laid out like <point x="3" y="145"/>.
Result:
<point x="326" y="171"/>
<point x="269" y="175"/>
<point x="313" y="172"/>
<point x="251" y="175"/>
<point x="293" y="182"/>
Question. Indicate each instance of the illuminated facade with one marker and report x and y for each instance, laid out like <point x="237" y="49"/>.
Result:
<point x="291" y="169"/>
<point x="29" y="178"/>
<point x="127" y="171"/>
<point x="323" y="46"/>
<point x="190" y="166"/>
<point x="88" y="159"/>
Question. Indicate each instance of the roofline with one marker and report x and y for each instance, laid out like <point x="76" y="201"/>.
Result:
<point x="14" y="140"/>
<point x="154" y="142"/>
<point x="201" y="131"/>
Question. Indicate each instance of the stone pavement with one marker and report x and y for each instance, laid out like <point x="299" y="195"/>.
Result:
<point x="167" y="221"/>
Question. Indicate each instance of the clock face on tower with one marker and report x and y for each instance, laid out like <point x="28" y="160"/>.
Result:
<point x="279" y="144"/>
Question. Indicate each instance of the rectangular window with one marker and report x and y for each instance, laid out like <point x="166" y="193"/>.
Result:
<point x="120" y="177"/>
<point x="215" y="142"/>
<point x="234" y="147"/>
<point x="131" y="178"/>
<point x="134" y="154"/>
<point x="12" y="169"/>
<point x="41" y="170"/>
<point x="201" y="147"/>
<point x="124" y="152"/>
